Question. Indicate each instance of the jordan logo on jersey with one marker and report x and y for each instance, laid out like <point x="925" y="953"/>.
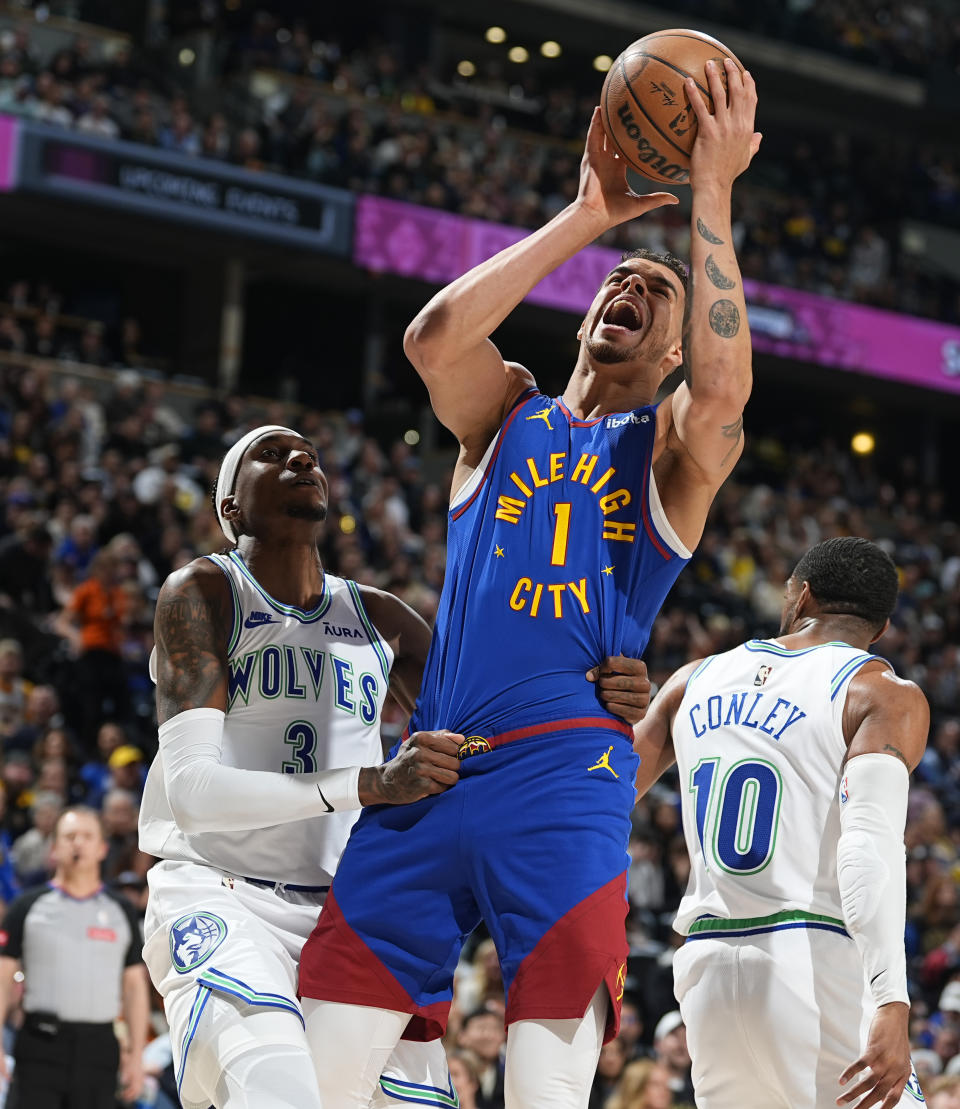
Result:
<point x="762" y="674"/>
<point x="544" y="414"/>
<point x="603" y="763"/>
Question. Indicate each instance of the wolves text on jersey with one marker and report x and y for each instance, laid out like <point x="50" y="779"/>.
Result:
<point x="297" y="673"/>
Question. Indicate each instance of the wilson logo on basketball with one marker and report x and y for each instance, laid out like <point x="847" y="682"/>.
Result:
<point x="647" y="152"/>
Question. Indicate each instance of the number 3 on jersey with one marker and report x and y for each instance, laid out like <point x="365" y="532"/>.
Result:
<point x="738" y="819"/>
<point x="301" y="737"/>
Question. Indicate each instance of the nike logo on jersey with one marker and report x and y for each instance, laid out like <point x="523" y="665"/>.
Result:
<point x="324" y="800"/>
<point x="258" y="619"/>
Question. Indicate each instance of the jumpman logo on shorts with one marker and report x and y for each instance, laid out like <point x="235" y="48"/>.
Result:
<point x="603" y="763"/>
<point x="544" y="414"/>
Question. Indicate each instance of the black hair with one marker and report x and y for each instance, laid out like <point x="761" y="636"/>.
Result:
<point x="850" y="576"/>
<point x="662" y="258"/>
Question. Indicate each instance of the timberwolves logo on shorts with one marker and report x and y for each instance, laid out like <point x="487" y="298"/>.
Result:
<point x="194" y="938"/>
<point x="913" y="1086"/>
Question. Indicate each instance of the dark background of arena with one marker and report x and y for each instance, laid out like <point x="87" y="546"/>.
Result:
<point x="134" y="346"/>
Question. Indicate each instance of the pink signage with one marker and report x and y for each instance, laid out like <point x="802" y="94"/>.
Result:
<point x="394" y="237"/>
<point x="9" y="152"/>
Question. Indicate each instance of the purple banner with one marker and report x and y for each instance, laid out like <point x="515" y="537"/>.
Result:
<point x="394" y="237"/>
<point x="9" y="152"/>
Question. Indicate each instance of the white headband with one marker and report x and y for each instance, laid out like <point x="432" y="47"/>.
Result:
<point x="227" y="478"/>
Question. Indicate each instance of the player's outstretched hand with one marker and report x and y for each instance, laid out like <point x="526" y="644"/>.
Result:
<point x="886" y="1060"/>
<point x="427" y="763"/>
<point x="604" y="192"/>
<point x="726" y="141"/>
<point x="623" y="687"/>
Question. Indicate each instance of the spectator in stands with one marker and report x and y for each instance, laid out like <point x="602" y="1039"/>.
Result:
<point x="465" y="1069"/>
<point x="15" y="689"/>
<point x="943" y="1092"/>
<point x="128" y="770"/>
<point x="92" y="621"/>
<point x="120" y="812"/>
<point x="24" y="571"/>
<point x="42" y="713"/>
<point x="30" y="854"/>
<point x="670" y="1050"/>
<point x="644" y="1084"/>
<point x="482" y="1033"/>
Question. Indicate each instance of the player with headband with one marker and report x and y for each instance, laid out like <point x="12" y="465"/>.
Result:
<point x="271" y="676"/>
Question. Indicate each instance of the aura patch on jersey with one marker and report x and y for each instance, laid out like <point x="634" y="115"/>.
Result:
<point x="194" y="938"/>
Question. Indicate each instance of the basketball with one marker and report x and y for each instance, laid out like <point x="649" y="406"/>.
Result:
<point x="646" y="113"/>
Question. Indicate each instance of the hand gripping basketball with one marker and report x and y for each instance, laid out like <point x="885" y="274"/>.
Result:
<point x="726" y="141"/>
<point x="604" y="192"/>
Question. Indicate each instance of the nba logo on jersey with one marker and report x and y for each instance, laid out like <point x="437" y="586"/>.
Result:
<point x="194" y="938"/>
<point x="762" y="674"/>
<point x="844" y="796"/>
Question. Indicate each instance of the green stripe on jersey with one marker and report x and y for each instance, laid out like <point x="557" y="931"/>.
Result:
<point x="788" y="916"/>
<point x="420" y="1095"/>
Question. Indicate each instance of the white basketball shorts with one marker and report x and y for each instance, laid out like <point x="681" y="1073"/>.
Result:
<point x="774" y="1018"/>
<point x="207" y="935"/>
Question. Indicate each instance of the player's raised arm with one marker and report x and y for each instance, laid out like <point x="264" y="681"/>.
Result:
<point x="886" y="720"/>
<point x="191" y="631"/>
<point x="707" y="409"/>
<point x="653" y="736"/>
<point x="470" y="384"/>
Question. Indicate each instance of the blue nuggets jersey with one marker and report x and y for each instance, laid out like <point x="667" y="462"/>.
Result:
<point x="559" y="554"/>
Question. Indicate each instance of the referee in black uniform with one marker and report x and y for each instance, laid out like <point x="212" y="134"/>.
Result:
<point x="79" y="945"/>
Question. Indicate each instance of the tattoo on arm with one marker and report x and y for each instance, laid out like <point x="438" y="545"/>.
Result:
<point x="716" y="275"/>
<point x="732" y="431"/>
<point x="193" y="657"/>
<point x="706" y="233"/>
<point x="897" y="752"/>
<point x="724" y="318"/>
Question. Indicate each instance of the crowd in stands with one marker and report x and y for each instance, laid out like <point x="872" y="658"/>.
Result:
<point x="816" y="213"/>
<point x="105" y="493"/>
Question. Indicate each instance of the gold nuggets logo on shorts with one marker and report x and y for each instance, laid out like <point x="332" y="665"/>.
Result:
<point x="473" y="745"/>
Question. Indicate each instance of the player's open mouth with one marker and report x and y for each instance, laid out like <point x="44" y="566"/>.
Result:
<point x="623" y="314"/>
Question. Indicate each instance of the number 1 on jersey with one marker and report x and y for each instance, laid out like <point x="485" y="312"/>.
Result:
<point x="561" y="533"/>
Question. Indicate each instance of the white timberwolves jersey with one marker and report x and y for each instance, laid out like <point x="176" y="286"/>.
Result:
<point x="305" y="694"/>
<point x="759" y="745"/>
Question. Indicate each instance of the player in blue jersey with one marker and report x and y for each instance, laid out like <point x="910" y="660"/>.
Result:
<point x="570" y="519"/>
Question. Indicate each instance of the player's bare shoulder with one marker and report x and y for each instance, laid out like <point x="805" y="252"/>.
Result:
<point x="191" y="629"/>
<point x="885" y="713"/>
<point x="394" y="619"/>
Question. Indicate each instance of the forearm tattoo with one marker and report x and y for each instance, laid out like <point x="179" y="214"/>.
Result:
<point x="725" y="318"/>
<point x="706" y="233"/>
<point x="732" y="431"/>
<point x="716" y="275"/>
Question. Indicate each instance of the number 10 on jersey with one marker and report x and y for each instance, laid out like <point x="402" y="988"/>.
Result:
<point x="737" y="819"/>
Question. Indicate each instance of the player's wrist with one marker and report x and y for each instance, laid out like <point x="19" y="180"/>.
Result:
<point x="370" y="787"/>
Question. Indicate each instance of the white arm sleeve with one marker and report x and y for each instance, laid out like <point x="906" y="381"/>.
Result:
<point x="872" y="869"/>
<point x="206" y="796"/>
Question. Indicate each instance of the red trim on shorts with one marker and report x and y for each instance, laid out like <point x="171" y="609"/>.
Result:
<point x="336" y="965"/>
<point x="577" y="723"/>
<point x="522" y="400"/>
<point x="586" y="947"/>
